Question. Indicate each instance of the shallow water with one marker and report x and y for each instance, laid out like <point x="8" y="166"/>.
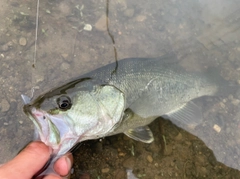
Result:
<point x="201" y="34"/>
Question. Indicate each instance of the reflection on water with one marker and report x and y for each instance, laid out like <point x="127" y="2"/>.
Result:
<point x="201" y="34"/>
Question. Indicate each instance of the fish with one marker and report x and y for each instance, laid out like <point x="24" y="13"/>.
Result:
<point x="122" y="97"/>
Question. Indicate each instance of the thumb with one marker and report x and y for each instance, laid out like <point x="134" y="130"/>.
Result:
<point x="28" y="162"/>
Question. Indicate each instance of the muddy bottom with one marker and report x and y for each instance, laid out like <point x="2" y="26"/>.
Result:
<point x="174" y="153"/>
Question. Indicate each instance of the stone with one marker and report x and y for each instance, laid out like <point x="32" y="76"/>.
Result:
<point x="5" y="106"/>
<point x="22" y="41"/>
<point x="178" y="137"/>
<point x="129" y="13"/>
<point x="64" y="66"/>
<point x="101" y="23"/>
<point x="87" y="27"/>
<point x="129" y="163"/>
<point x="149" y="159"/>
<point x="105" y="170"/>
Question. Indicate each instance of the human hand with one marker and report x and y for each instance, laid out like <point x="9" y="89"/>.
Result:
<point x="31" y="159"/>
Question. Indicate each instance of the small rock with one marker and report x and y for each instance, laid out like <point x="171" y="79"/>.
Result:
<point x="129" y="163"/>
<point x="23" y="41"/>
<point x="101" y="23"/>
<point x="120" y="174"/>
<point x="149" y="159"/>
<point x="64" y="55"/>
<point x="20" y="122"/>
<point x="38" y="77"/>
<point x="178" y="137"/>
<point x="141" y="18"/>
<point x="4" y="48"/>
<point x="64" y="66"/>
<point x="121" y="154"/>
<point x="154" y="147"/>
<point x="87" y="27"/>
<point x="128" y="13"/>
<point x="105" y="170"/>
<point x="222" y="105"/>
<point x="5" y="106"/>
<point x="235" y="102"/>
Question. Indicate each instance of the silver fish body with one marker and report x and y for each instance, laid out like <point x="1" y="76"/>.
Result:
<point x="120" y="98"/>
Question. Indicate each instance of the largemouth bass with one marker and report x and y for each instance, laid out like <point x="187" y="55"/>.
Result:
<point x="125" y="100"/>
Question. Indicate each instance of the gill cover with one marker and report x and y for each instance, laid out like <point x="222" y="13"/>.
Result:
<point x="109" y="106"/>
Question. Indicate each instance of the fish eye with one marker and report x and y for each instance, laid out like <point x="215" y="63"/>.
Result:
<point x="64" y="102"/>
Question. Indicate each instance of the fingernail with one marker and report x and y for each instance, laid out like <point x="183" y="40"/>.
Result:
<point x="69" y="163"/>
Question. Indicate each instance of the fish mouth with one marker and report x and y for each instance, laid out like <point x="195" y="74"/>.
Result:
<point x="45" y="129"/>
<point x="53" y="130"/>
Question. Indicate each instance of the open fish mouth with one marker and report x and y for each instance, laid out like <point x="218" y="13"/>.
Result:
<point x="53" y="130"/>
<point x="45" y="129"/>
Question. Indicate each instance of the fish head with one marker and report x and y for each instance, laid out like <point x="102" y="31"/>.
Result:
<point x="76" y="112"/>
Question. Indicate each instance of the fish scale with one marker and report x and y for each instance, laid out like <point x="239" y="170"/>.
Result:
<point x="122" y="99"/>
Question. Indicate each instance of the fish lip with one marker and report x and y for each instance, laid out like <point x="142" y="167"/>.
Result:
<point x="43" y="123"/>
<point x="28" y="110"/>
<point x="40" y="121"/>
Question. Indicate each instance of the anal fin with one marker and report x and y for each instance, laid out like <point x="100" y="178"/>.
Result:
<point x="143" y="134"/>
<point x="189" y="114"/>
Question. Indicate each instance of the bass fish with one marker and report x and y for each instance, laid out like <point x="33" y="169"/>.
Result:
<point x="121" y="99"/>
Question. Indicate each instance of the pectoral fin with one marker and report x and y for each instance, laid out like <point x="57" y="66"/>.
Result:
<point x="143" y="134"/>
<point x="190" y="114"/>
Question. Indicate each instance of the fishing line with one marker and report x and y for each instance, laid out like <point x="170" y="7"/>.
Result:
<point x="111" y="37"/>
<point x="35" y="52"/>
<point x="36" y="36"/>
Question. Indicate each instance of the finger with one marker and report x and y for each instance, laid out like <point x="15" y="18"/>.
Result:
<point x="29" y="161"/>
<point x="52" y="177"/>
<point x="64" y="164"/>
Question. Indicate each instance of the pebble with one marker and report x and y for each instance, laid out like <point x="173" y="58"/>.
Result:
<point x="141" y="18"/>
<point x="129" y="163"/>
<point x="105" y="170"/>
<point x="129" y="13"/>
<point x="235" y="102"/>
<point x="64" y="55"/>
<point x="38" y="77"/>
<point x="87" y="27"/>
<point x="178" y="137"/>
<point x="22" y="41"/>
<point x="149" y="159"/>
<point x="64" y="66"/>
<point x="101" y="23"/>
<point x="121" y="154"/>
<point x="222" y="105"/>
<point x="4" y="48"/>
<point x="120" y="174"/>
<point x="5" y="106"/>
